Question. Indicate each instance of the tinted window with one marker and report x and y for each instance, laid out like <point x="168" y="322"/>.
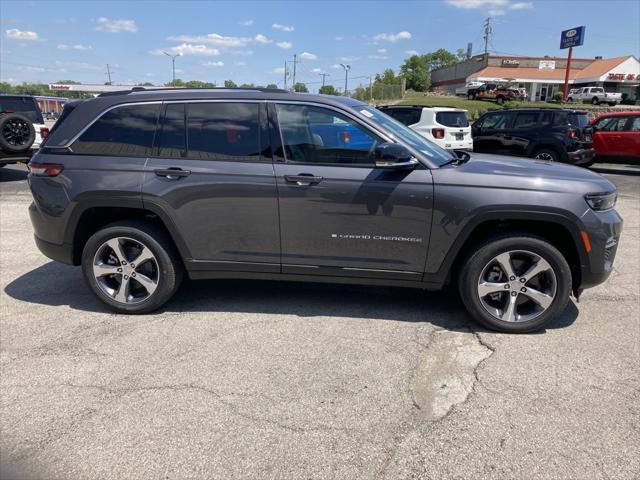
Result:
<point x="123" y="131"/>
<point x="26" y="106"/>
<point x="323" y="136"/>
<point x="579" y="119"/>
<point x="546" y="119"/>
<point x="496" y="120"/>
<point x="526" y="120"/>
<point x="406" y="116"/>
<point x="223" y="131"/>
<point x="612" y="124"/>
<point x="172" y="141"/>
<point x="635" y="125"/>
<point x="452" y="119"/>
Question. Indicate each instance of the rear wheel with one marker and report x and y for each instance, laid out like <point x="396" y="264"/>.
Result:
<point x="612" y="104"/>
<point x="546" y="154"/>
<point x="471" y="96"/>
<point x="595" y="101"/>
<point x="131" y="266"/>
<point x="515" y="284"/>
<point x="500" y="100"/>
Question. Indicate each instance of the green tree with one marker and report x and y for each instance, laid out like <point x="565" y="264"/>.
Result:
<point x="440" y="58"/>
<point x="461" y="54"/>
<point x="300" y="88"/>
<point x="247" y="85"/>
<point x="272" y="86"/>
<point x="199" y="84"/>
<point x="329" y="90"/>
<point x="69" y="82"/>
<point x="415" y="71"/>
<point x="388" y="77"/>
<point x="230" y="84"/>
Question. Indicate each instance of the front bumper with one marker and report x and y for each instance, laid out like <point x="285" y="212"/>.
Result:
<point x="582" y="156"/>
<point x="603" y="230"/>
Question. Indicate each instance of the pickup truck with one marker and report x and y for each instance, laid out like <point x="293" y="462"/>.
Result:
<point x="595" y="96"/>
<point x="492" y="91"/>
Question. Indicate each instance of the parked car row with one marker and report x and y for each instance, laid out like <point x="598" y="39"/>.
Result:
<point x="560" y="135"/>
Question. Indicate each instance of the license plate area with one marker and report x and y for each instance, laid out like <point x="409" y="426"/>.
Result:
<point x="587" y="138"/>
<point x="459" y="136"/>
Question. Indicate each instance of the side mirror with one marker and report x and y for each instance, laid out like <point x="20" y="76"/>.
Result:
<point x="394" y="156"/>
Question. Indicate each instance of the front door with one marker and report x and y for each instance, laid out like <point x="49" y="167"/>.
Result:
<point x="210" y="176"/>
<point x="339" y="214"/>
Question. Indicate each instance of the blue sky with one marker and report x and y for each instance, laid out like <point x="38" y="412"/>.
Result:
<point x="250" y="41"/>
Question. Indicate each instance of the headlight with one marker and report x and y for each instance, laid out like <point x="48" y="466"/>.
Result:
<point x="601" y="201"/>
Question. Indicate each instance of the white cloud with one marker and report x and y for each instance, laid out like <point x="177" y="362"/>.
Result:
<point x="476" y="3"/>
<point x="382" y="50"/>
<point x="78" y="46"/>
<point x="116" y="26"/>
<point x="284" y="28"/>
<point x="214" y="39"/>
<point x="259" y="38"/>
<point x="29" y="68"/>
<point x="189" y="49"/>
<point x="316" y="70"/>
<point x="336" y="66"/>
<point x="213" y="64"/>
<point x="285" y="45"/>
<point x="348" y="59"/>
<point x="240" y="63"/>
<point x="377" y="57"/>
<point x="339" y="39"/>
<point x="521" y="6"/>
<point x="278" y="70"/>
<point x="244" y="53"/>
<point x="412" y="52"/>
<point x="77" y="66"/>
<point x="497" y="12"/>
<point x="246" y="23"/>
<point x="308" y="56"/>
<point x="16" y="34"/>
<point x="392" y="37"/>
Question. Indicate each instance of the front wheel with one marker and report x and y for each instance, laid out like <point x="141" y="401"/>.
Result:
<point x="500" y="100"/>
<point x="131" y="266"/>
<point x="546" y="154"/>
<point x="471" y="96"/>
<point x="612" y="104"/>
<point x="595" y="101"/>
<point x="515" y="284"/>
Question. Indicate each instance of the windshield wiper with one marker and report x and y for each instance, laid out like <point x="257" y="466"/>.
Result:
<point x="459" y="157"/>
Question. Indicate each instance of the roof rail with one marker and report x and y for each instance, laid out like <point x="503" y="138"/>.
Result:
<point x="143" y="89"/>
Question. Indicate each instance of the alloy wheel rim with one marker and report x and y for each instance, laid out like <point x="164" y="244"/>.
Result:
<point x="126" y="270"/>
<point x="545" y="156"/>
<point x="16" y="132"/>
<point x="517" y="286"/>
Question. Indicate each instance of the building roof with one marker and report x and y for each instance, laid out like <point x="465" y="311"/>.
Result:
<point x="597" y="68"/>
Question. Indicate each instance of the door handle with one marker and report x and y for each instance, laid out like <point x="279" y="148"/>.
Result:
<point x="303" y="179"/>
<point x="173" y="173"/>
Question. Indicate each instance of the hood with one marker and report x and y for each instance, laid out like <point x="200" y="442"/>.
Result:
<point x="497" y="171"/>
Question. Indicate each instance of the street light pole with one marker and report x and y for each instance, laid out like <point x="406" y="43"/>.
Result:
<point x="346" y="74"/>
<point x="173" y="65"/>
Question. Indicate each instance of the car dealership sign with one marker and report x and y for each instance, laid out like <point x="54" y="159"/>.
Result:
<point x="573" y="37"/>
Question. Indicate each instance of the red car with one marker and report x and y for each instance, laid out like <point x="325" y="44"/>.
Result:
<point x="617" y="135"/>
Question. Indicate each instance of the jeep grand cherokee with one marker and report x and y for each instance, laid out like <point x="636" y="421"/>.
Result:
<point x="143" y="187"/>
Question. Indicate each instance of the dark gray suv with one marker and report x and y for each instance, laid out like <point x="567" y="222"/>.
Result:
<point x="143" y="187"/>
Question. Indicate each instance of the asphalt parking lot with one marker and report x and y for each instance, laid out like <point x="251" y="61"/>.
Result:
<point x="262" y="380"/>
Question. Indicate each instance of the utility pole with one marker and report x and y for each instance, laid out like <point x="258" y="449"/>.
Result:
<point x="346" y="74"/>
<point x="324" y="75"/>
<point x="109" y="73"/>
<point x="285" y="74"/>
<point x="371" y="88"/>
<point x="295" y="62"/>
<point x="488" y="30"/>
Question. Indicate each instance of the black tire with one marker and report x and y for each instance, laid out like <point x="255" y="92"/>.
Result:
<point x="500" y="100"/>
<point x="547" y="154"/>
<point x="612" y="104"/>
<point x="169" y="271"/>
<point x="595" y="101"/>
<point x="17" y="133"/>
<point x="569" y="100"/>
<point x="476" y="262"/>
<point x="471" y="96"/>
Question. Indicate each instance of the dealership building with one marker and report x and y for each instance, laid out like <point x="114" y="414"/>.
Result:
<point x="542" y="76"/>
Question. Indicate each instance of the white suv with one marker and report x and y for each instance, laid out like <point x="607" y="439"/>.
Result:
<point x="445" y="126"/>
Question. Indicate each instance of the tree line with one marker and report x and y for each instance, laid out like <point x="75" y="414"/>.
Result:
<point x="415" y="71"/>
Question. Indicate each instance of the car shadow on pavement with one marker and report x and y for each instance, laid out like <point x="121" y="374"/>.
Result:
<point x="12" y="174"/>
<point x="56" y="284"/>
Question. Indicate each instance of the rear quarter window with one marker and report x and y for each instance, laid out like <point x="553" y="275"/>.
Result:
<point x="26" y="106"/>
<point x="406" y="116"/>
<point x="125" y="131"/>
<point x="579" y="119"/>
<point x="452" y="119"/>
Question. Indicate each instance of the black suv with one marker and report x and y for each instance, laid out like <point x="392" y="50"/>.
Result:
<point x="559" y="135"/>
<point x="142" y="187"/>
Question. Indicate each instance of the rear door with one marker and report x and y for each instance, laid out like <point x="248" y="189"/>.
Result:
<point x="488" y="134"/>
<point x="339" y="214"/>
<point x="211" y="174"/>
<point x="608" y="138"/>
<point x="524" y="130"/>
<point x="630" y="137"/>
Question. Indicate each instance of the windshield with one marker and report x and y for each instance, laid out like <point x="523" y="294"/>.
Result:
<point x="434" y="153"/>
<point x="26" y="106"/>
<point x="579" y="119"/>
